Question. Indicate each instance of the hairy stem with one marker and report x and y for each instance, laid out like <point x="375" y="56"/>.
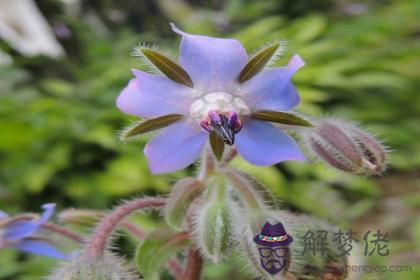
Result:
<point x="176" y="269"/>
<point x="64" y="232"/>
<point x="229" y="155"/>
<point x="135" y="230"/>
<point x="194" y="265"/>
<point x="208" y="164"/>
<point x="97" y="244"/>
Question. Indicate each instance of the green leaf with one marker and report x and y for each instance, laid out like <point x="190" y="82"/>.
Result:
<point x="182" y="195"/>
<point x="260" y="31"/>
<point x="309" y="28"/>
<point x="280" y="117"/>
<point x="157" y="249"/>
<point x="257" y="63"/>
<point x="217" y="145"/>
<point x="151" y="124"/>
<point x="168" y="67"/>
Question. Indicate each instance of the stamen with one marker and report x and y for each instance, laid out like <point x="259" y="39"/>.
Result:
<point x="206" y="125"/>
<point x="234" y="121"/>
<point x="225" y="125"/>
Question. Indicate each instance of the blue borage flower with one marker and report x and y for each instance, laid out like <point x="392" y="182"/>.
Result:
<point x="214" y="101"/>
<point x="21" y="233"/>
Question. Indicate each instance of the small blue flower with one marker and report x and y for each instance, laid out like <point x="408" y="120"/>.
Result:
<point x="216" y="102"/>
<point x="21" y="233"/>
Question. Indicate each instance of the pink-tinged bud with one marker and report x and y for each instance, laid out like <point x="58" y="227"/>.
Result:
<point x="346" y="147"/>
<point x="375" y="154"/>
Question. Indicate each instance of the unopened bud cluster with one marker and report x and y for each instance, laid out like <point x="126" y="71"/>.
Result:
<point x="108" y="267"/>
<point x="345" y="146"/>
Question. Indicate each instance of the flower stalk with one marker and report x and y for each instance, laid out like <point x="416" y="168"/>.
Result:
<point x="97" y="244"/>
<point x="64" y="232"/>
<point x="194" y="265"/>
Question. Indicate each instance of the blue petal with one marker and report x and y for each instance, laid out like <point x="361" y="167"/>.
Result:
<point x="175" y="147"/>
<point x="40" y="247"/>
<point x="272" y="89"/>
<point x="213" y="64"/>
<point x="261" y="143"/>
<point x="49" y="211"/>
<point x="150" y="95"/>
<point x="19" y="229"/>
<point x="3" y="215"/>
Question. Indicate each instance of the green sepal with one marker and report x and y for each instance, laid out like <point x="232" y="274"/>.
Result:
<point x="217" y="145"/>
<point x="168" y="67"/>
<point x="280" y="117"/>
<point x="249" y="189"/>
<point x="217" y="230"/>
<point x="156" y="250"/>
<point x="215" y="227"/>
<point x="257" y="63"/>
<point x="182" y="195"/>
<point x="150" y="125"/>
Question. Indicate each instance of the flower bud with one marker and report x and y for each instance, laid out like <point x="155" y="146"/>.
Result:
<point x="109" y="267"/>
<point x="214" y="226"/>
<point x="375" y="154"/>
<point x="80" y="217"/>
<point x="346" y="147"/>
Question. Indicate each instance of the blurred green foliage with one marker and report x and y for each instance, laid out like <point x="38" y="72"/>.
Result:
<point x="59" y="123"/>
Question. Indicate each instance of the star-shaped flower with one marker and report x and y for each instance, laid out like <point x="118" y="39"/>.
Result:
<point x="21" y="232"/>
<point x="215" y="90"/>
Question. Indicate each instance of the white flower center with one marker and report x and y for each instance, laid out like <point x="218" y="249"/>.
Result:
<point x="218" y="101"/>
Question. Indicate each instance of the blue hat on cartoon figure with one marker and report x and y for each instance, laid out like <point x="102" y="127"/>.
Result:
<point x="273" y="236"/>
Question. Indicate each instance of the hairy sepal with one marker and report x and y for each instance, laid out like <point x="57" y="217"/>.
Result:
<point x="149" y="125"/>
<point x="215" y="221"/>
<point x="259" y="60"/>
<point x="179" y="201"/>
<point x="217" y="145"/>
<point x="157" y="249"/>
<point x="281" y="118"/>
<point x="253" y="194"/>
<point x="164" y="64"/>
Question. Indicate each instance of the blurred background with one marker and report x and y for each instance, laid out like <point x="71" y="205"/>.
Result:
<point x="63" y="63"/>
